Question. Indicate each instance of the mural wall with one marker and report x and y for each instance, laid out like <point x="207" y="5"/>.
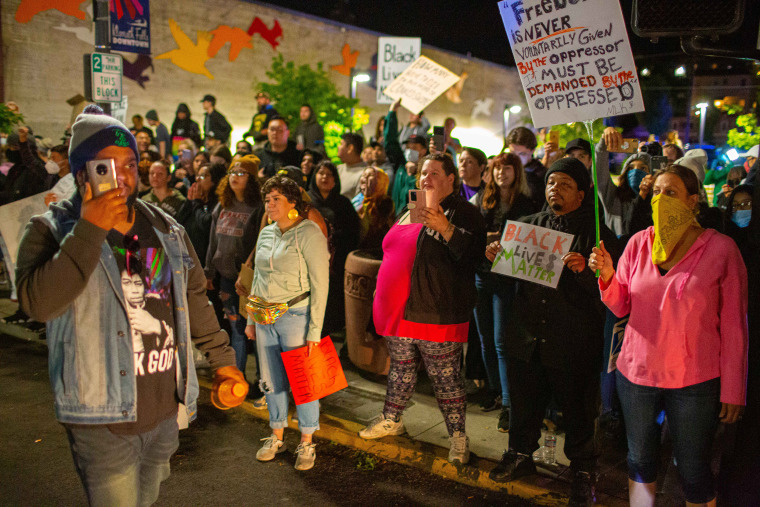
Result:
<point x="220" y="47"/>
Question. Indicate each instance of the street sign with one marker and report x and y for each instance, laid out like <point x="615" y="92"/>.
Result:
<point x="107" y="70"/>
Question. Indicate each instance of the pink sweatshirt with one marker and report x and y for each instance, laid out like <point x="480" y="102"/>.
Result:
<point x="686" y="327"/>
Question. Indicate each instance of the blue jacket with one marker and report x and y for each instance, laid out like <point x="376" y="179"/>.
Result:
<point x="67" y="276"/>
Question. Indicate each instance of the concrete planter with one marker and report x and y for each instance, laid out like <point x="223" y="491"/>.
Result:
<point x="365" y="350"/>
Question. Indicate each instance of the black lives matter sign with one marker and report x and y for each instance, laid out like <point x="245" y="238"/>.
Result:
<point x="574" y="59"/>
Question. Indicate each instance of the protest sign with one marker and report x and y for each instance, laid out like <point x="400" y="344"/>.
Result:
<point x="315" y="376"/>
<point x="574" y="59"/>
<point x="532" y="253"/>
<point x="65" y="187"/>
<point x="14" y="217"/>
<point x="394" y="55"/>
<point x="420" y="84"/>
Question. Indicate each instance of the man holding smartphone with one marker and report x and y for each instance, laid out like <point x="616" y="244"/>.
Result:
<point x="121" y="366"/>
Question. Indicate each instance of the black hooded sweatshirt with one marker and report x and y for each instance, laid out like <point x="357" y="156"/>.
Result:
<point x="187" y="127"/>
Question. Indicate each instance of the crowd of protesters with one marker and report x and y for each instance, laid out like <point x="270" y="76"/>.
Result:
<point x="673" y="270"/>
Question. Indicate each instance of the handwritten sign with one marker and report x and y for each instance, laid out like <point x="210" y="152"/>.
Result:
<point x="420" y="84"/>
<point x="394" y="55"/>
<point x="316" y="376"/>
<point x="532" y="253"/>
<point x="574" y="59"/>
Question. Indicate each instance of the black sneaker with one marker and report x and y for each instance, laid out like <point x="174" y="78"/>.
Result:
<point x="504" y="420"/>
<point x="491" y="403"/>
<point x="17" y="318"/>
<point x="513" y="465"/>
<point x="582" y="490"/>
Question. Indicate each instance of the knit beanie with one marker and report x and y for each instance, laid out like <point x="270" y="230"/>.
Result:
<point x="573" y="168"/>
<point x="696" y="160"/>
<point x="249" y="163"/>
<point x="152" y="115"/>
<point x="93" y="131"/>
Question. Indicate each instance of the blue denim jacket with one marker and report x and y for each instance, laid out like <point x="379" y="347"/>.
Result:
<point x="91" y="361"/>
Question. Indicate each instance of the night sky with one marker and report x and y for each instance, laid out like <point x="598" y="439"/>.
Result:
<point x="463" y="26"/>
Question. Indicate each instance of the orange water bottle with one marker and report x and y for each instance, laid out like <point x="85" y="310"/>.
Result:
<point x="231" y="393"/>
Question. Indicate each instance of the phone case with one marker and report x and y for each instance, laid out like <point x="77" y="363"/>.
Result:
<point x="416" y="204"/>
<point x="629" y="146"/>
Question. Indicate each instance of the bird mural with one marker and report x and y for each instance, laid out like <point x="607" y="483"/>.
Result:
<point x="27" y="9"/>
<point x="349" y="61"/>
<point x="237" y="37"/>
<point x="268" y="34"/>
<point x="482" y="107"/>
<point x="453" y="93"/>
<point x="189" y="56"/>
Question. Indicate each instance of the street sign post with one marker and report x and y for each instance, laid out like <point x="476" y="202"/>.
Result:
<point x="106" y="71"/>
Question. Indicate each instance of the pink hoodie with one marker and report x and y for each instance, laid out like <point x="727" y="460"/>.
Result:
<point x="688" y="326"/>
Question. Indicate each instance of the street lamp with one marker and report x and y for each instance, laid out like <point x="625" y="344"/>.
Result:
<point x="359" y="77"/>
<point x="507" y="109"/>
<point x="702" y="106"/>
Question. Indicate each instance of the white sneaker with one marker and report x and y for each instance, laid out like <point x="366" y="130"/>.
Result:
<point x="460" y="448"/>
<point x="305" y="455"/>
<point x="381" y="427"/>
<point x="272" y="447"/>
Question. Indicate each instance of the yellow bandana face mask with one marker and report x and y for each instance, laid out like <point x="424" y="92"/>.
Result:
<point x="672" y="217"/>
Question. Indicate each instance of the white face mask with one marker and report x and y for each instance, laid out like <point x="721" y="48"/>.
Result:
<point x="51" y="167"/>
<point x="411" y="155"/>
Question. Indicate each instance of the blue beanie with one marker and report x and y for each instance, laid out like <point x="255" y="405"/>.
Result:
<point x="93" y="131"/>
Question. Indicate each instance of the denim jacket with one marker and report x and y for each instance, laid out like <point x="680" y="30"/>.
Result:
<point x="67" y="276"/>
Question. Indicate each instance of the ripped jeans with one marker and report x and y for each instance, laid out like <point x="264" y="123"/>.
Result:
<point x="288" y="333"/>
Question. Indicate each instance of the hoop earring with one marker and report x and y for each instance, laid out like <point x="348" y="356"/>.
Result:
<point x="292" y="214"/>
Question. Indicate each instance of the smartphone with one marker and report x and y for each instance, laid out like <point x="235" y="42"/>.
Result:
<point x="554" y="137"/>
<point x="629" y="146"/>
<point x="102" y="176"/>
<point x="415" y="205"/>
<point x="659" y="162"/>
<point x="438" y="134"/>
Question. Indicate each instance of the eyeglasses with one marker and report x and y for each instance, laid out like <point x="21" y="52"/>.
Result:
<point x="733" y="183"/>
<point x="132" y="252"/>
<point x="201" y="177"/>
<point x="744" y="205"/>
<point x="238" y="173"/>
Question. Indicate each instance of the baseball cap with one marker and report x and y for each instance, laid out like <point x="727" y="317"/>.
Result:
<point x="578" y="143"/>
<point x="210" y="98"/>
<point x="752" y="152"/>
<point x="416" y="138"/>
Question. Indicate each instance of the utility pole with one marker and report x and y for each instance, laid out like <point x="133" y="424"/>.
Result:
<point x="102" y="20"/>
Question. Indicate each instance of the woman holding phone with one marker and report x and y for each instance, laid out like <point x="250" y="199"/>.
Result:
<point x="424" y="300"/>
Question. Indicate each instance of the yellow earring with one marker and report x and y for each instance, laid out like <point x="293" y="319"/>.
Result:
<point x="269" y="220"/>
<point x="293" y="214"/>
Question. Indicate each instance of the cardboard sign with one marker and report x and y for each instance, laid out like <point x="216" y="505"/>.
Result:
<point x="420" y="84"/>
<point x="532" y="253"/>
<point x="394" y="55"/>
<point x="574" y="59"/>
<point x="316" y="376"/>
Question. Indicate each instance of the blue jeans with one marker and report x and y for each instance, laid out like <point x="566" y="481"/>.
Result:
<point x="288" y="333"/>
<point x="492" y="314"/>
<point x="230" y="302"/>
<point x="692" y="414"/>
<point x="123" y="470"/>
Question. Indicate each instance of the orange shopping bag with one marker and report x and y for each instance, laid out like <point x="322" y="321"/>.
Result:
<point x="314" y="377"/>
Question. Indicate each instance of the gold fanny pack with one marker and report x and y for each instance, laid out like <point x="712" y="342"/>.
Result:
<point x="265" y="313"/>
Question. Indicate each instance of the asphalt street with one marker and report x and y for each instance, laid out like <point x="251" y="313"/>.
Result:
<point x="215" y="464"/>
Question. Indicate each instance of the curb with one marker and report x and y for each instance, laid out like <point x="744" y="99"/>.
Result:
<point x="431" y="458"/>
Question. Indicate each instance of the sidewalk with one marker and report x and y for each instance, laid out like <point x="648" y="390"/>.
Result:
<point x="425" y="446"/>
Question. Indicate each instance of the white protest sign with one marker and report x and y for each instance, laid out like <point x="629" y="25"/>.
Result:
<point x="420" y="84"/>
<point x="394" y="55"/>
<point x="65" y="187"/>
<point x="13" y="219"/>
<point x="532" y="253"/>
<point x="574" y="59"/>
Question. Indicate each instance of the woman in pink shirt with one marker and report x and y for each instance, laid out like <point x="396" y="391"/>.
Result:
<point x="685" y="347"/>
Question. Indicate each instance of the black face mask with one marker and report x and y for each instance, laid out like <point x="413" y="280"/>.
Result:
<point x="13" y="156"/>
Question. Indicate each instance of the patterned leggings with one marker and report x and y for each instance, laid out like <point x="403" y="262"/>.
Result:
<point x="442" y="362"/>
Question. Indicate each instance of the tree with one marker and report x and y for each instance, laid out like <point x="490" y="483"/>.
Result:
<point x="291" y="87"/>
<point x="570" y="131"/>
<point x="8" y="119"/>
<point x="747" y="133"/>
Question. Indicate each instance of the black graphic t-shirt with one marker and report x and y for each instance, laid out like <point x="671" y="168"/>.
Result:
<point x="146" y="284"/>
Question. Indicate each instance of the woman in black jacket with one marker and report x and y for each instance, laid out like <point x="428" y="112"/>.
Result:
<point x="343" y="221"/>
<point x="506" y="197"/>
<point x="198" y="208"/>
<point x="424" y="299"/>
